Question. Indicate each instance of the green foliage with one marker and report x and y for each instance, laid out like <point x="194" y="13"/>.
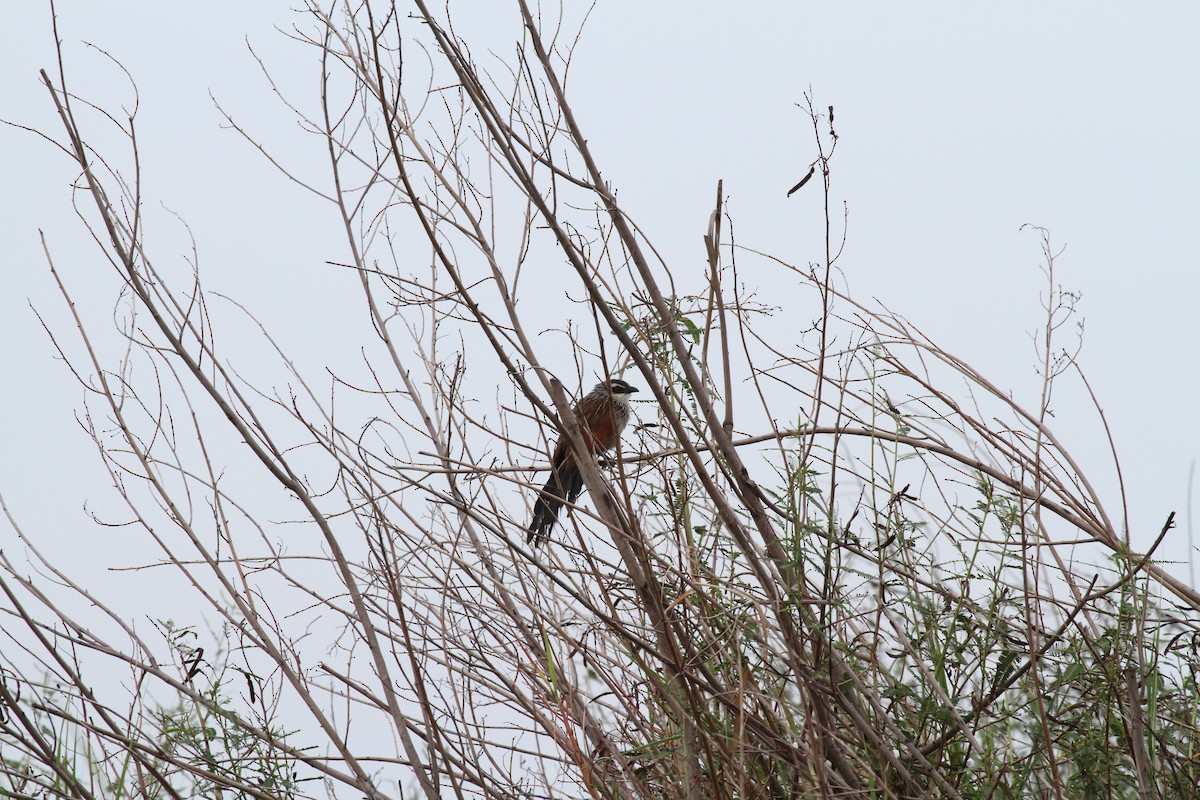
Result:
<point x="196" y="746"/>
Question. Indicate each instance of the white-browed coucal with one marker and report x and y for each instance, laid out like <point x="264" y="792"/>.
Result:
<point x="602" y="414"/>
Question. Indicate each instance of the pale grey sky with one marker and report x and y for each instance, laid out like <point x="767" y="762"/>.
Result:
<point x="958" y="124"/>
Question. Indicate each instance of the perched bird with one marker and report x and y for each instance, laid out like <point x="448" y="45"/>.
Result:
<point x="601" y="415"/>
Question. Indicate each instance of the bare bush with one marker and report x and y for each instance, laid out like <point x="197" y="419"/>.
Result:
<point x="827" y="559"/>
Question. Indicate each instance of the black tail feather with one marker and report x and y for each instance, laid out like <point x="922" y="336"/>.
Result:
<point x="545" y="510"/>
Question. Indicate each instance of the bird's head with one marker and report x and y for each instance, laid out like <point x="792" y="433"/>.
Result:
<point x="619" y="389"/>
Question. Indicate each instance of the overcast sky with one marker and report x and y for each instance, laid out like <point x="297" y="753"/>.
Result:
<point x="958" y="124"/>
